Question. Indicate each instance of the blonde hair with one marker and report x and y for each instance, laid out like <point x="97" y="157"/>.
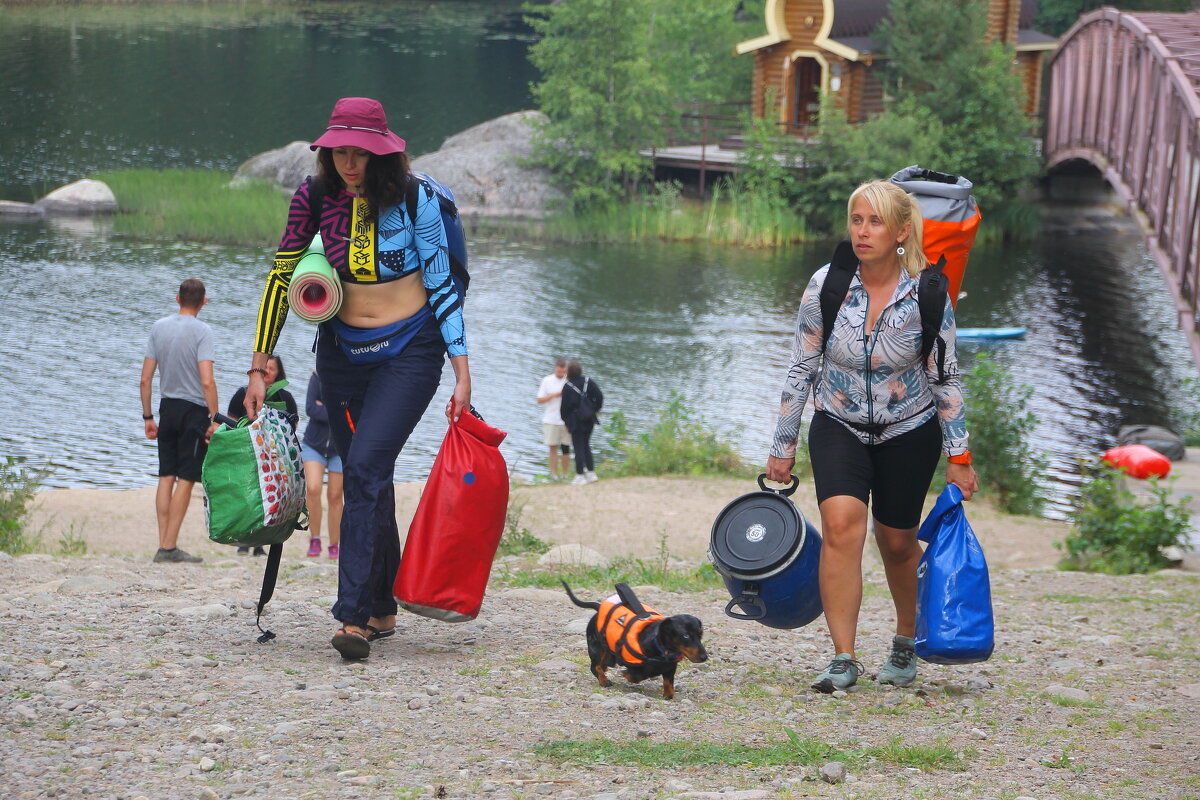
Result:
<point x="896" y="208"/>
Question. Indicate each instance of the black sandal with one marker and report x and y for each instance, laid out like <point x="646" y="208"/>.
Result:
<point x="353" y="646"/>
<point x="376" y="633"/>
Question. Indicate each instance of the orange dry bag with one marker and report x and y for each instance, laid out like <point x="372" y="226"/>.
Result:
<point x="949" y="218"/>
<point x="1138" y="461"/>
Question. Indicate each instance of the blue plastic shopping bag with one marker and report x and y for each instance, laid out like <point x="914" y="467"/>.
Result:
<point x="954" y="595"/>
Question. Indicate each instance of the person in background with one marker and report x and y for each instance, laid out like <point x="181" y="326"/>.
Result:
<point x="380" y="359"/>
<point x="320" y="455"/>
<point x="180" y="349"/>
<point x="881" y="423"/>
<point x="554" y="432"/>
<point x="581" y="402"/>
<point x="278" y="398"/>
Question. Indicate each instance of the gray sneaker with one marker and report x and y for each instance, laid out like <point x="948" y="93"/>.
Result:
<point x="176" y="555"/>
<point x="901" y="667"/>
<point x="842" y="673"/>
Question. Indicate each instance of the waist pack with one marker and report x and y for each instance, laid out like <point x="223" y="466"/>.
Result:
<point x="372" y="345"/>
<point x="254" y="492"/>
<point x="954" y="594"/>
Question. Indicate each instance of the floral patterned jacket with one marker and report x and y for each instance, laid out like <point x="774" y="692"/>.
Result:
<point x="875" y="380"/>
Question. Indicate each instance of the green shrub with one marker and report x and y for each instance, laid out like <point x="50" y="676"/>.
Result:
<point x="1000" y="425"/>
<point x="18" y="487"/>
<point x="516" y="539"/>
<point x="196" y="205"/>
<point x="676" y="445"/>
<point x="1116" y="534"/>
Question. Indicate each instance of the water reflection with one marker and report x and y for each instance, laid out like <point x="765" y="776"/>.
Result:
<point x="713" y="324"/>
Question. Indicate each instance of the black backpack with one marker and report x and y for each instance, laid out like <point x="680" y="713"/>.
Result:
<point x="932" y="289"/>
<point x="587" y="412"/>
<point x="456" y="240"/>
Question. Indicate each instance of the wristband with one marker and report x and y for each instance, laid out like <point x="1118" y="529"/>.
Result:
<point x="147" y="416"/>
<point x="259" y="370"/>
<point x="963" y="458"/>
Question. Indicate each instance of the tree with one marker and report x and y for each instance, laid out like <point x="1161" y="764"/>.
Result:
<point x="602" y="94"/>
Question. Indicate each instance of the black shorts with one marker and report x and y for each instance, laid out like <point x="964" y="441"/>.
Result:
<point x="181" y="446"/>
<point x="895" y="474"/>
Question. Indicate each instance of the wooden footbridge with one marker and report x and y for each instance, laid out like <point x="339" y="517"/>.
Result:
<point x="1125" y="96"/>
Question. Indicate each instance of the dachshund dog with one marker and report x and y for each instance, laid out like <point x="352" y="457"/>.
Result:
<point x="644" y="642"/>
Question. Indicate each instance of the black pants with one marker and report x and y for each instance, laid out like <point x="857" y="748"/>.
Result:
<point x="581" y="440"/>
<point x="385" y="402"/>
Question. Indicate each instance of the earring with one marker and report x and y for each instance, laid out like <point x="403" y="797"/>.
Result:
<point x="900" y="250"/>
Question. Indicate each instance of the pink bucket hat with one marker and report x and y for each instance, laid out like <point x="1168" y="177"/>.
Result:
<point x="359" y="122"/>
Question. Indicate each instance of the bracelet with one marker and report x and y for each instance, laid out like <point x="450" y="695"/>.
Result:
<point x="259" y="370"/>
<point x="147" y="416"/>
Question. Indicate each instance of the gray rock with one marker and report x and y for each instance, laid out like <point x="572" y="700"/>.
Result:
<point x="536" y="595"/>
<point x="210" y="611"/>
<point x="87" y="584"/>
<point x="572" y="554"/>
<point x="11" y="208"/>
<point x="286" y="166"/>
<point x="557" y="666"/>
<point x="482" y="165"/>
<point x="1068" y="692"/>
<point x="833" y="772"/>
<point x="1191" y="690"/>
<point x="80" y="198"/>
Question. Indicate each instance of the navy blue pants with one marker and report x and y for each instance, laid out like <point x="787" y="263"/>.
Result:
<point x="384" y="402"/>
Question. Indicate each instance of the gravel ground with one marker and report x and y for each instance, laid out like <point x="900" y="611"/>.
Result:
<point x="120" y="678"/>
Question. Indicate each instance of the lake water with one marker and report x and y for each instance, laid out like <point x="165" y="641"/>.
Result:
<point x="712" y="324"/>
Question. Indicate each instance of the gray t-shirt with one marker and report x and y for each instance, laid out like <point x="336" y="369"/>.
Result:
<point x="178" y="343"/>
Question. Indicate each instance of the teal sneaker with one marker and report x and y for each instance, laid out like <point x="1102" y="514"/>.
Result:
<point x="842" y="673"/>
<point x="901" y="667"/>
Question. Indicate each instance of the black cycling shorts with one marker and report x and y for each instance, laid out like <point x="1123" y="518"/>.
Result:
<point x="895" y="474"/>
<point x="181" y="446"/>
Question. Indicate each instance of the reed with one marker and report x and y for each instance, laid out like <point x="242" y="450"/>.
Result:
<point x="729" y="217"/>
<point x="196" y="205"/>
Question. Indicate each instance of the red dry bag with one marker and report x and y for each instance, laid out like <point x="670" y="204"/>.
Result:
<point x="457" y="527"/>
<point x="1138" y="461"/>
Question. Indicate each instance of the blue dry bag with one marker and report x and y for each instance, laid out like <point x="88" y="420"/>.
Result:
<point x="954" y="596"/>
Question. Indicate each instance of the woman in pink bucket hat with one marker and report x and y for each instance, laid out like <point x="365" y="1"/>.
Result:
<point x="380" y="358"/>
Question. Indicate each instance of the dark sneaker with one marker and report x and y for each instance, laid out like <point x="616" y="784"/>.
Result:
<point x="901" y="667"/>
<point x="243" y="551"/>
<point x="842" y="673"/>
<point x="175" y="555"/>
<point x="259" y="551"/>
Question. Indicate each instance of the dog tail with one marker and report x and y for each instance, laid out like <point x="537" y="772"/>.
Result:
<point x="577" y="601"/>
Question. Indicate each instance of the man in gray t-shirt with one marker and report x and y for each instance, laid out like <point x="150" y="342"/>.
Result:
<point x="180" y="348"/>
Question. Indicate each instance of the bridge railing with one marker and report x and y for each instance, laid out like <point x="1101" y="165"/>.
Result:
<point x="1121" y="99"/>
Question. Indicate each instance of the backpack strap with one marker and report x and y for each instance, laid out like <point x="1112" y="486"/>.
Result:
<point x="932" y="289"/>
<point x="837" y="282"/>
<point x="316" y="198"/>
<point x="411" y="190"/>
<point x="270" y="576"/>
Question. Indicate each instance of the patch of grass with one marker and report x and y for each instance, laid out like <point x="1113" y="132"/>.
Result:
<point x="1071" y="702"/>
<point x="72" y="543"/>
<point x="795" y="750"/>
<point x="196" y="205"/>
<point x="516" y="539"/>
<point x="18" y="488"/>
<point x="678" y="444"/>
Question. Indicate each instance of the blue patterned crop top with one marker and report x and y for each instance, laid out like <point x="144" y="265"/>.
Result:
<point x="362" y="252"/>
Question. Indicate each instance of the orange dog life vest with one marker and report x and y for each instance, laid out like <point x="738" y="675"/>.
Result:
<point x="620" y="627"/>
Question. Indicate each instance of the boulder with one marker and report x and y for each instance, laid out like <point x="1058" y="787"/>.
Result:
<point x="482" y="165"/>
<point x="80" y="198"/>
<point x="286" y="166"/>
<point x="11" y="208"/>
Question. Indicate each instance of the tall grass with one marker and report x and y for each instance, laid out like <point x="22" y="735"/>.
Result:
<point x="196" y="205"/>
<point x="729" y="217"/>
<point x="678" y="444"/>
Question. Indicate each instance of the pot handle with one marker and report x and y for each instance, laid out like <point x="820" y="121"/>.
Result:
<point x="750" y="601"/>
<point x="787" y="491"/>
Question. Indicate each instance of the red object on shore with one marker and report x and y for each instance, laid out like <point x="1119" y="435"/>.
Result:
<point x="457" y="527"/>
<point x="1138" y="461"/>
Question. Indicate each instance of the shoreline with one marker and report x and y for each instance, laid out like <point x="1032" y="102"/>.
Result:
<point x="635" y="517"/>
